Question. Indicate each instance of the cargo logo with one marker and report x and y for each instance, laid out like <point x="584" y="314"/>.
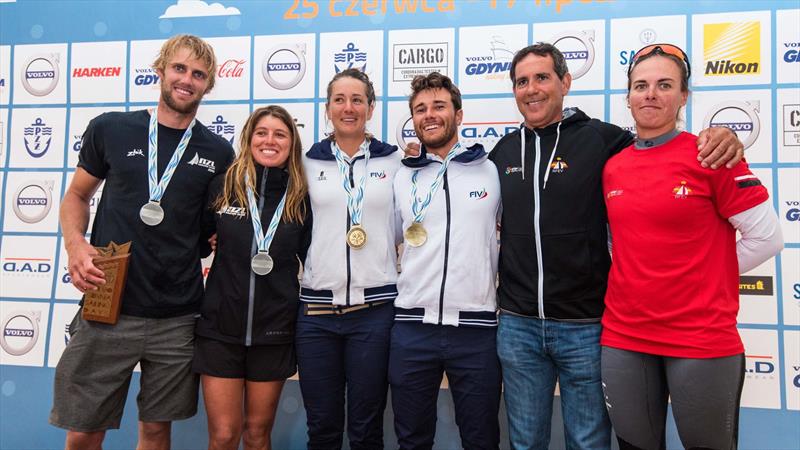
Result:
<point x="759" y="367"/>
<point x="222" y="128"/>
<point x="145" y="77"/>
<point x="793" y="54"/>
<point x="732" y="48"/>
<point x="350" y="57"/>
<point x="411" y="60"/>
<point x="40" y="74"/>
<point x="37" y="138"/>
<point x="494" y="66"/>
<point x="207" y="164"/>
<point x="741" y="117"/>
<point x="791" y="125"/>
<point x="20" y="332"/>
<point x="578" y="50"/>
<point x="284" y="66"/>
<point x="486" y="133"/>
<point x="96" y="72"/>
<point x="793" y="213"/>
<point x="479" y="195"/>
<point x="405" y="132"/>
<point x="33" y="200"/>
<point x="755" y="285"/>
<point x="232" y="68"/>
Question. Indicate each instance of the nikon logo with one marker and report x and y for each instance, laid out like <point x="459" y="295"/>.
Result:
<point x="732" y="48"/>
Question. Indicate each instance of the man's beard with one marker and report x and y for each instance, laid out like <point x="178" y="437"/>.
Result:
<point x="448" y="134"/>
<point x="189" y="108"/>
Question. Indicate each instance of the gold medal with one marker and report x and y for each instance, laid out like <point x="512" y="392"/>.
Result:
<point x="415" y="235"/>
<point x="356" y="237"/>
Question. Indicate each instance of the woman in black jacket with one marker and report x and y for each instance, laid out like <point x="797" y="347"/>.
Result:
<point x="245" y="336"/>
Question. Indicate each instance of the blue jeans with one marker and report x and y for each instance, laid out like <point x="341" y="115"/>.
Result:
<point x="342" y="356"/>
<point x="534" y="353"/>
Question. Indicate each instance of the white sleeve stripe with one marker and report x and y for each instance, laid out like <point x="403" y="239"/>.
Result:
<point x="745" y="177"/>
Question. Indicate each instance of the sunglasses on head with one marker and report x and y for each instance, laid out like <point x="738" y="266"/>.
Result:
<point x="662" y="49"/>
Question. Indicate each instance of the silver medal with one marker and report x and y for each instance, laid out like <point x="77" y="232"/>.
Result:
<point x="261" y="263"/>
<point x="151" y="213"/>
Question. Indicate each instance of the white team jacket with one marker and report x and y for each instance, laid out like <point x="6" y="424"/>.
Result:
<point x="335" y="273"/>
<point x="450" y="280"/>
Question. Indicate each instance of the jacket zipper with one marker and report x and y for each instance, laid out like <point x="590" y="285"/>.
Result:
<point x="248" y="340"/>
<point x="446" y="247"/>
<point x="537" y="229"/>
<point x="347" y="228"/>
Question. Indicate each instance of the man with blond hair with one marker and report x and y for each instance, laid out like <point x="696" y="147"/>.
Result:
<point x="154" y="199"/>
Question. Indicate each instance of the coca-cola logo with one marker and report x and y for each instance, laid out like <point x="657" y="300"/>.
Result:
<point x="232" y="68"/>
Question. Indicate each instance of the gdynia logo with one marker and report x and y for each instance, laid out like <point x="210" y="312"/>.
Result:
<point x="732" y="48"/>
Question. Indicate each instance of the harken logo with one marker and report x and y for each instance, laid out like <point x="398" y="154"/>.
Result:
<point x="96" y="72"/>
<point x="40" y="74"/>
<point x="33" y="200"/>
<point x="284" y="66"/>
<point x="350" y="57"/>
<point x="37" y="138"/>
<point x="20" y="332"/>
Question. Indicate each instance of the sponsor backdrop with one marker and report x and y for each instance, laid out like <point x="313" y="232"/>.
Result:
<point x="62" y="63"/>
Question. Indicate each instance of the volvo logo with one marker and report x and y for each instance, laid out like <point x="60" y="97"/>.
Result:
<point x="405" y="132"/>
<point x="739" y="116"/>
<point x="20" y="332"/>
<point x="284" y="66"/>
<point x="33" y="200"/>
<point x="40" y="74"/>
<point x="576" y="46"/>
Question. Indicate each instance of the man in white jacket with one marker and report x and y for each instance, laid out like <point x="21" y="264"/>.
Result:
<point x="447" y="200"/>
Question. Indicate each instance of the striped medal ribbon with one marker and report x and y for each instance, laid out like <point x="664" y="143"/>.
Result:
<point x="416" y="234"/>
<point x="151" y="212"/>
<point x="262" y="263"/>
<point x="356" y="235"/>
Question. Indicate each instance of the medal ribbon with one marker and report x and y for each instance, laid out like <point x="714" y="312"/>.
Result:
<point x="264" y="240"/>
<point x="419" y="209"/>
<point x="355" y="202"/>
<point x="157" y="187"/>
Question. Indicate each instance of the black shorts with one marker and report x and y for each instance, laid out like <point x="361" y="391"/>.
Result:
<point x="255" y="363"/>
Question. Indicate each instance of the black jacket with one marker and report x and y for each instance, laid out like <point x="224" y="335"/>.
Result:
<point x="232" y="286"/>
<point x="571" y="231"/>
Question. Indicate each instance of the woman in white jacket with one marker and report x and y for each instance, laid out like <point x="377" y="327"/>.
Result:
<point x="349" y="279"/>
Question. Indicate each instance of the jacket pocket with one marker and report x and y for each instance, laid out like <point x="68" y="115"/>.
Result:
<point x="567" y="265"/>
